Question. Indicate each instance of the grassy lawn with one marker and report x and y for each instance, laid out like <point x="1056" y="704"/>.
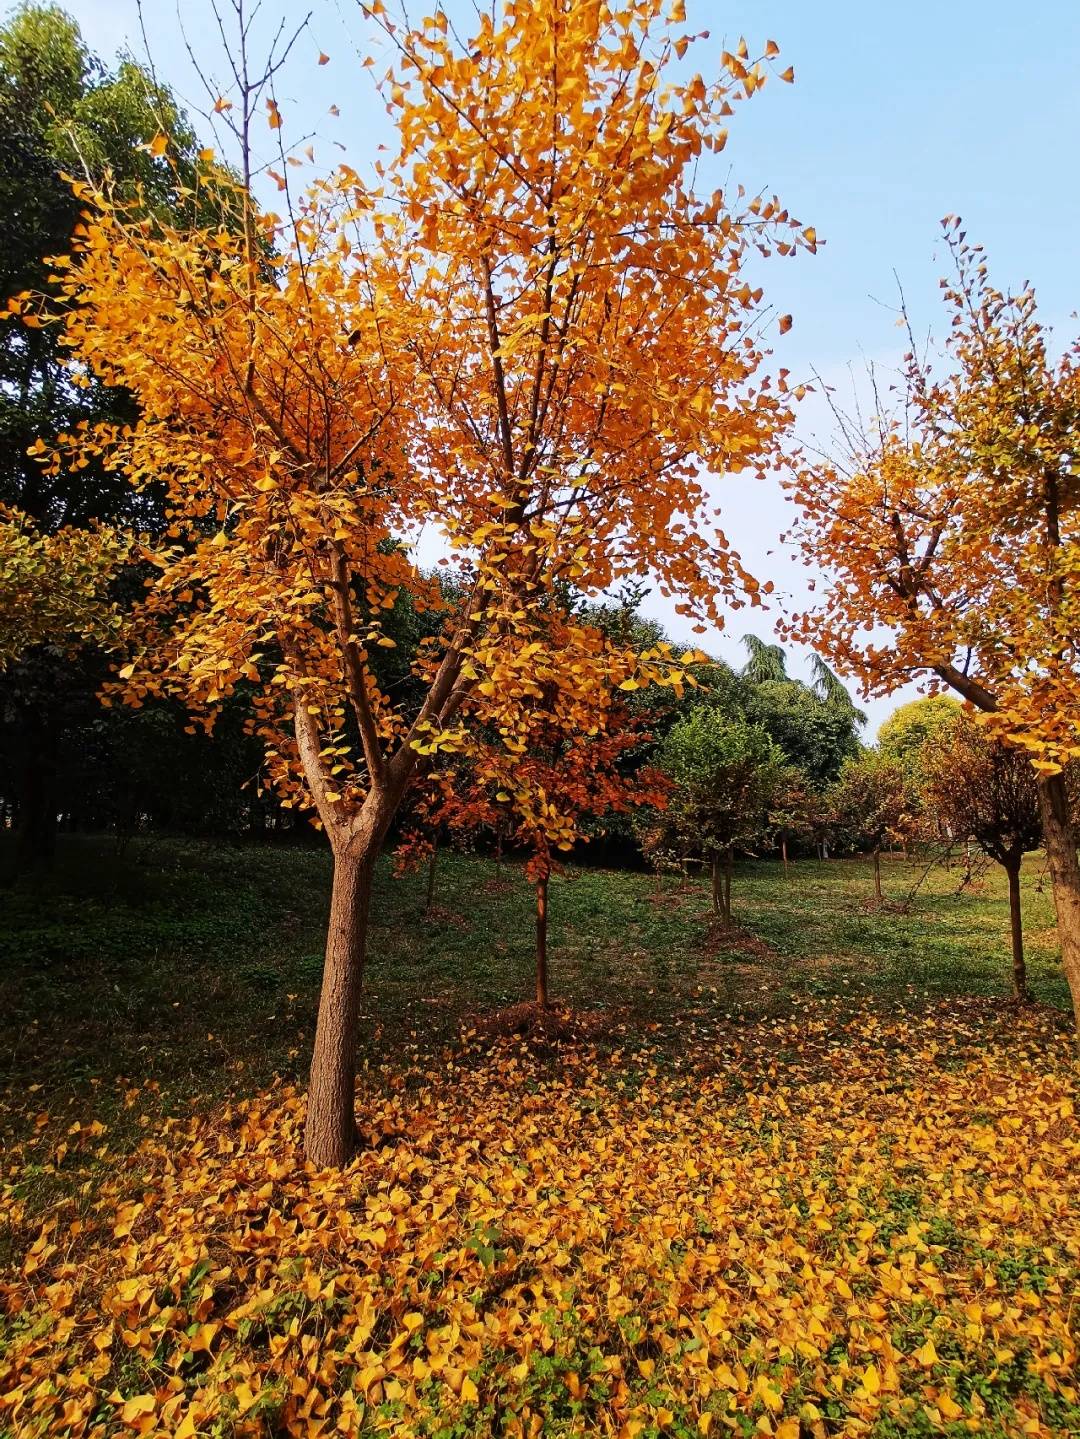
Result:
<point x="814" y="1177"/>
<point x="182" y="963"/>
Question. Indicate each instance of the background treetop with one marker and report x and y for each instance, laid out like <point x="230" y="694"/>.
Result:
<point x="950" y="530"/>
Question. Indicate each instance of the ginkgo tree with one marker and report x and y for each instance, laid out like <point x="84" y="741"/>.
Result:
<point x="950" y="538"/>
<point x="531" y="331"/>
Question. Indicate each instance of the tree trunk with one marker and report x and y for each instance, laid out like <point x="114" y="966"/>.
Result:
<point x="1012" y="869"/>
<point x="1061" y="861"/>
<point x="877" y="875"/>
<point x="498" y="853"/>
<point x="783" y="852"/>
<point x="729" y="865"/>
<point x="717" y="887"/>
<point x="430" y="897"/>
<point x="330" y="1135"/>
<point x="541" y="943"/>
<point x="36" y="834"/>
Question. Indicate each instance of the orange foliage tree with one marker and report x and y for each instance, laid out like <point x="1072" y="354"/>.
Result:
<point x="951" y="539"/>
<point x="974" y="787"/>
<point x="532" y="332"/>
<point x="545" y="791"/>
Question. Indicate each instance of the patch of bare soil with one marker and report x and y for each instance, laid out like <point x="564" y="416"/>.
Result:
<point x="541" y="1027"/>
<point x="882" y="906"/>
<point x="672" y="898"/>
<point x="497" y="886"/>
<point x="438" y="915"/>
<point x="721" y="938"/>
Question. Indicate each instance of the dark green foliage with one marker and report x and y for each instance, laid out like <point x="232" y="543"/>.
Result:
<point x="767" y="663"/>
<point x="816" y="735"/>
<point x="63" y="113"/>
<point x="726" y="776"/>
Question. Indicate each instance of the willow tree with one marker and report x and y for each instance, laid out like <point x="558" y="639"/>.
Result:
<point x="951" y="538"/>
<point x="531" y="332"/>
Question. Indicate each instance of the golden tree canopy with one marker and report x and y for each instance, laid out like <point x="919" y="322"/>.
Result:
<point x="530" y="332"/>
<point x="951" y="540"/>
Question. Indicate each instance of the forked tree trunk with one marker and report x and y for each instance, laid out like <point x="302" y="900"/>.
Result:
<point x="877" y="875"/>
<point x="1016" y="926"/>
<point x="330" y="1134"/>
<point x="1061" y="860"/>
<point x="721" y="884"/>
<point x="541" y="943"/>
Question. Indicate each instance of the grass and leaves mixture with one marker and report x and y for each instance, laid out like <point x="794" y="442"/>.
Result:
<point x="814" y="1177"/>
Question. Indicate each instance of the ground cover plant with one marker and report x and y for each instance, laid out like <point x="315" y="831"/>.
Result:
<point x="789" y="1179"/>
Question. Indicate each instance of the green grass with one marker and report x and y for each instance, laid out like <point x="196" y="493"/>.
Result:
<point x="196" y="967"/>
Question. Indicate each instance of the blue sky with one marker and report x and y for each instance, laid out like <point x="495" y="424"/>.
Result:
<point x="901" y="113"/>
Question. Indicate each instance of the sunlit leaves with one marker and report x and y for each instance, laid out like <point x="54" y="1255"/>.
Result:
<point x="57" y="589"/>
<point x="532" y="334"/>
<point x="950" y="529"/>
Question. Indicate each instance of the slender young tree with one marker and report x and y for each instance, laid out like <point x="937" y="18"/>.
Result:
<point x="870" y="806"/>
<point x="978" y="788"/>
<point x="955" y="529"/>
<point x="550" y="791"/>
<point x="795" y="813"/>
<point x="531" y="332"/>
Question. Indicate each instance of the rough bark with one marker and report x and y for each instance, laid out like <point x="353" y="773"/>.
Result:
<point x="877" y="875"/>
<point x="330" y="1135"/>
<point x="1064" y="867"/>
<point x="1016" y="926"/>
<point x="729" y="865"/>
<point x="541" y="943"/>
<point x="717" y="887"/>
